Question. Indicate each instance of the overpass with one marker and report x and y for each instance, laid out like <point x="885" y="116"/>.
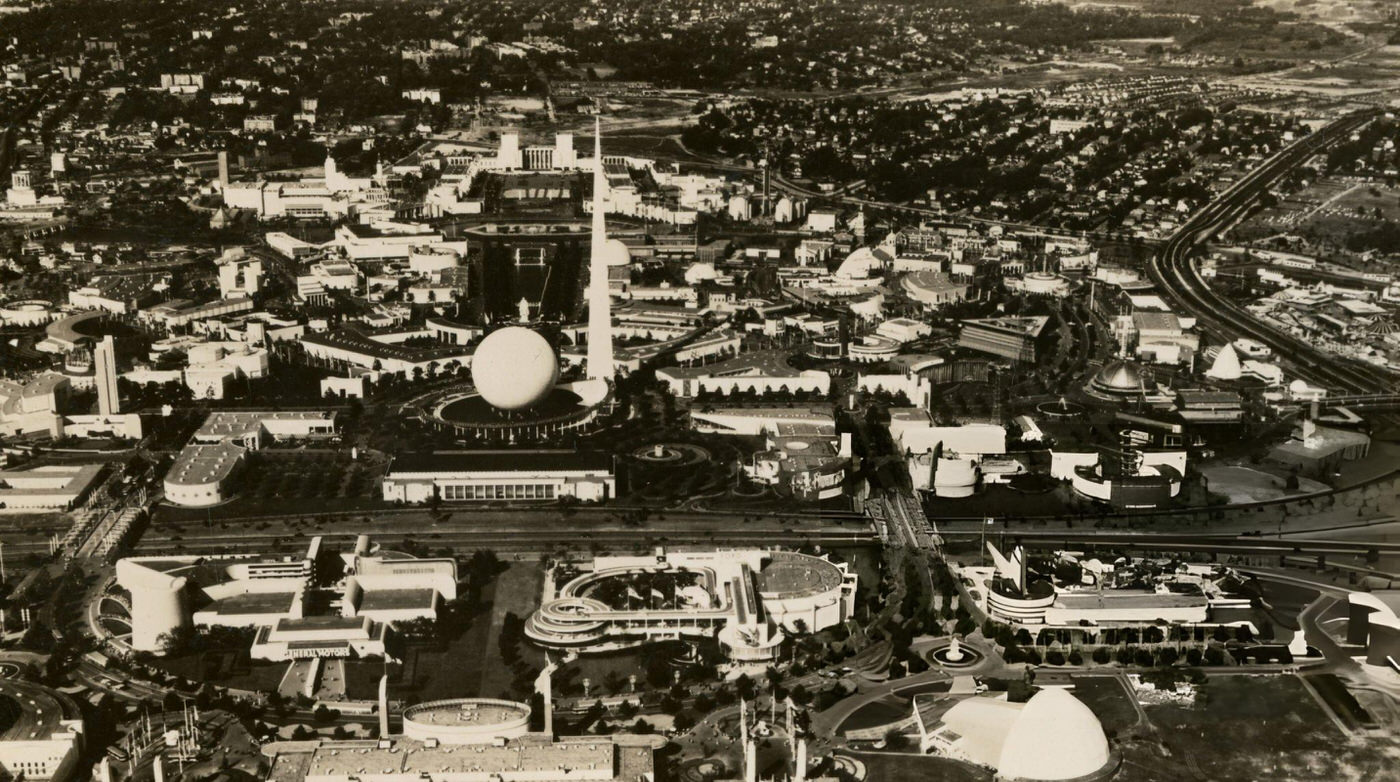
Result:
<point x="1180" y="281"/>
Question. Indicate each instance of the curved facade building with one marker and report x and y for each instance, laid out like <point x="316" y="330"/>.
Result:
<point x="1372" y="623"/>
<point x="157" y="603"/>
<point x="748" y="599"/>
<point x="27" y="313"/>
<point x="203" y="475"/>
<point x="466" y="720"/>
<point x="1007" y="605"/>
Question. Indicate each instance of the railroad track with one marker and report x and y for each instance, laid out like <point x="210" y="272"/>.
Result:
<point x="1174" y="270"/>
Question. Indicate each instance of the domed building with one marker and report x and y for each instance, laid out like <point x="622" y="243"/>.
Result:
<point x="615" y="253"/>
<point x="516" y="394"/>
<point x="514" y="368"/>
<point x="1121" y="381"/>
<point x="1053" y="736"/>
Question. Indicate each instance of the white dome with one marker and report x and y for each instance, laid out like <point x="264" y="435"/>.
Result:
<point x="700" y="272"/>
<point x="1055" y="737"/>
<point x="615" y="253"/>
<point x="1226" y="366"/>
<point x="514" y="368"/>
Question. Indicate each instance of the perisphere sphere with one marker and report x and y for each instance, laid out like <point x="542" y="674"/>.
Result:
<point x="514" y="368"/>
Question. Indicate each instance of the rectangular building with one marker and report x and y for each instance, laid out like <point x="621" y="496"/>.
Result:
<point x="484" y="476"/>
<point x="1014" y="338"/>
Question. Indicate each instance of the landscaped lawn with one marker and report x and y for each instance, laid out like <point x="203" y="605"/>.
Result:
<point x="471" y="664"/>
<point x="1262" y="727"/>
<point x="897" y="768"/>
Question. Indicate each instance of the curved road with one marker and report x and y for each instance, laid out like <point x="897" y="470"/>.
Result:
<point x="1175" y="273"/>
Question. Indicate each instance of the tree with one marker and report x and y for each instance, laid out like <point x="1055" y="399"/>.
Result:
<point x="896" y="740"/>
<point x="1101" y="655"/>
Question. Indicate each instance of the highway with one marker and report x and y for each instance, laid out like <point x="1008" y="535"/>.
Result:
<point x="1180" y="281"/>
<point x="1185" y="541"/>
<point x="523" y="540"/>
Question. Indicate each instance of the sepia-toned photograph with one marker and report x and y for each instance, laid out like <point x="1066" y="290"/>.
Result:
<point x="700" y="391"/>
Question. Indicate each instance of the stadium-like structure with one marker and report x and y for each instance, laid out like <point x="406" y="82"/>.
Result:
<point x="749" y="599"/>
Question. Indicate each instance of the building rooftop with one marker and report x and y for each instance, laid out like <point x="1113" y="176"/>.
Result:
<point x="396" y="599"/>
<point x="499" y="461"/>
<point x="787" y="575"/>
<point x="255" y="603"/>
<point x="199" y="464"/>
<point x="227" y="425"/>
<point x="1127" y="599"/>
<point x="515" y="760"/>
<point x="1029" y="326"/>
<point x="468" y="712"/>
<point x="762" y="363"/>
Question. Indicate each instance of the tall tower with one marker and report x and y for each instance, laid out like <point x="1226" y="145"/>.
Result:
<point x="105" y="376"/>
<point x="600" y="347"/>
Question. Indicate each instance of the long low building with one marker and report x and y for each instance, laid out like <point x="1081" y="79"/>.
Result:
<point x="54" y="487"/>
<point x="275" y="596"/>
<point x="41" y="732"/>
<point x="527" y="758"/>
<point x="206" y="470"/>
<point x="760" y="373"/>
<point x="486" y="476"/>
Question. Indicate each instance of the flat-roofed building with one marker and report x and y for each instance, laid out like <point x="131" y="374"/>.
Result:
<point x="296" y="616"/>
<point x="483" y="476"/>
<point x="528" y="757"/>
<point x="762" y="372"/>
<point x="206" y="470"/>
<point x="1017" y="339"/>
<point x="42" y="734"/>
<point x="50" y="487"/>
<point x="204" y="475"/>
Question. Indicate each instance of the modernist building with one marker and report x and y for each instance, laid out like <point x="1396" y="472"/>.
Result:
<point x="466" y="721"/>
<point x="206" y="470"/>
<point x="105" y="377"/>
<point x="501" y="758"/>
<point x="748" y="599"/>
<point x="755" y="373"/>
<point x="1052" y="736"/>
<point x="1010" y="591"/>
<point x="54" y="487"/>
<point x="41" y="736"/>
<point x="807" y="461"/>
<point x="1315" y="450"/>
<point x="1017" y="339"/>
<point x="1130" y="479"/>
<point x="485" y="476"/>
<point x="1373" y="626"/>
<point x="371" y="593"/>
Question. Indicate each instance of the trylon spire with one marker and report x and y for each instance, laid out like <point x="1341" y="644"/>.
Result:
<point x="600" y="347"/>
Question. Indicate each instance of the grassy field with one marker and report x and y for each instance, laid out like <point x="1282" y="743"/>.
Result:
<point x="891" y="767"/>
<point x="296" y="482"/>
<point x="1108" y="700"/>
<point x="1254" y="728"/>
<point x="233" y="669"/>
